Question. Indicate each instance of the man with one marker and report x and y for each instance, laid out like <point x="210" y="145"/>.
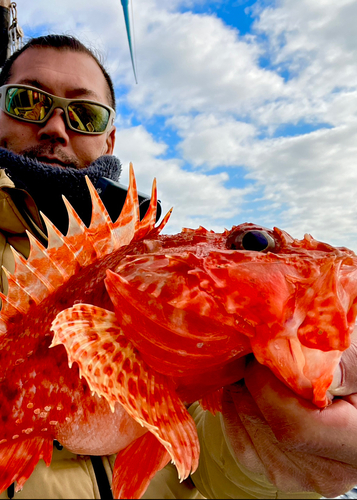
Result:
<point x="39" y="121"/>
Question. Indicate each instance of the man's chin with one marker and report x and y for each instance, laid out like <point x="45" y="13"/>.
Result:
<point x="53" y="162"/>
<point x="52" y="158"/>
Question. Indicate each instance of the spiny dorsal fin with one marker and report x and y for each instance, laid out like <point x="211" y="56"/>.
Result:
<point x="76" y="237"/>
<point x="29" y="277"/>
<point x="17" y="296"/>
<point x="40" y="260"/>
<point x="46" y="269"/>
<point x="129" y="220"/>
<point x="148" y="222"/>
<point x="59" y="251"/>
<point x="100" y="231"/>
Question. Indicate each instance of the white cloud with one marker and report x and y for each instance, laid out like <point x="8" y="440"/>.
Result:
<point x="205" y="82"/>
<point x="322" y="30"/>
<point x="195" y="63"/>
<point x="99" y="25"/>
<point x="197" y="198"/>
<point x="315" y="42"/>
<point x="312" y="181"/>
<point x="211" y="141"/>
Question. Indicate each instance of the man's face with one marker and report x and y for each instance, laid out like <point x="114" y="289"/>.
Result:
<point x="65" y="74"/>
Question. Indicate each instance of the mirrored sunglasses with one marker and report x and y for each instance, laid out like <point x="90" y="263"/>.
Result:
<point x="36" y="106"/>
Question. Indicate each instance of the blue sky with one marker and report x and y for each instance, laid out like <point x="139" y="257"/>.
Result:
<point x="244" y="110"/>
<point x="237" y="14"/>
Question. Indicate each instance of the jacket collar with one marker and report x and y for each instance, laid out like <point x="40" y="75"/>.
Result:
<point x="47" y="184"/>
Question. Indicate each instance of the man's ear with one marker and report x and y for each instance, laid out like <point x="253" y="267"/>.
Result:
<point x="110" y="142"/>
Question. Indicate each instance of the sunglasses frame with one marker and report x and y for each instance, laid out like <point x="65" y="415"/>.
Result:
<point x="57" y="102"/>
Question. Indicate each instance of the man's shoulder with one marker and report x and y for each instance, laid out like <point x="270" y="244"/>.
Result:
<point x="5" y="181"/>
<point x="18" y="211"/>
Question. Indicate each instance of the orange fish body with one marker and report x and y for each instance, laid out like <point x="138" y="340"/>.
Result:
<point x="152" y="323"/>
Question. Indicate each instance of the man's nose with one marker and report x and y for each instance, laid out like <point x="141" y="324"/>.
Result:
<point x="55" y="128"/>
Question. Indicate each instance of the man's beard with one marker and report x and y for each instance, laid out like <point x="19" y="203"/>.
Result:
<point x="43" y="150"/>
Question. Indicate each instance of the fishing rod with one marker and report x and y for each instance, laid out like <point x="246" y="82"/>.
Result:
<point x="125" y="5"/>
<point x="11" y="35"/>
<point x="4" y="29"/>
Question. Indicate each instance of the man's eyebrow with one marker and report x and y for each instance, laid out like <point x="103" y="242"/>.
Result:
<point x="75" y="93"/>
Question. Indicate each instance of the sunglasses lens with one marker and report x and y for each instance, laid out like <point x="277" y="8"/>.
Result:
<point x="27" y="103"/>
<point x="36" y="106"/>
<point x="88" y="117"/>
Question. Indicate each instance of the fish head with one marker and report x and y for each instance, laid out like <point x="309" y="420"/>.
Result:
<point x="196" y="301"/>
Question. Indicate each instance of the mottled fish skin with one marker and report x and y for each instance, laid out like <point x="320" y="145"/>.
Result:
<point x="151" y="323"/>
<point x="293" y="306"/>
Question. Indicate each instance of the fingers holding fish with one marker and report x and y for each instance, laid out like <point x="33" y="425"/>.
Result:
<point x="298" y="424"/>
<point x="345" y="377"/>
<point x="240" y="439"/>
<point x="296" y="445"/>
<point x="256" y="446"/>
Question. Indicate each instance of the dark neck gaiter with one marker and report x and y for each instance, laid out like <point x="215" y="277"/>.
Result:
<point x="46" y="184"/>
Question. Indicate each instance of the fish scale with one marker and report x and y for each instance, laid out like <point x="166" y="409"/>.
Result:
<point x="112" y="330"/>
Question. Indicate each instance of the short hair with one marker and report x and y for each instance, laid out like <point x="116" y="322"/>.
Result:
<point x="59" y="42"/>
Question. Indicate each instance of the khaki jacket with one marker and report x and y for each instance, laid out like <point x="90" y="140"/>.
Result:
<point x="72" y="476"/>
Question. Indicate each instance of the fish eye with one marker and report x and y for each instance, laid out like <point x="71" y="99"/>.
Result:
<point x="258" y="241"/>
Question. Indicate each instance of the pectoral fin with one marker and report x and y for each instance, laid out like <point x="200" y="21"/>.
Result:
<point x="114" y="369"/>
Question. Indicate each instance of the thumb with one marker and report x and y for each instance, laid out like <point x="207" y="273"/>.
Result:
<point x="345" y="376"/>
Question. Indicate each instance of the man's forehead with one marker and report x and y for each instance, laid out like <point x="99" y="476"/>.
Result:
<point x="65" y="72"/>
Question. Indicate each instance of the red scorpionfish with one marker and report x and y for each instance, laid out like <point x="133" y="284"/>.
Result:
<point x="111" y="331"/>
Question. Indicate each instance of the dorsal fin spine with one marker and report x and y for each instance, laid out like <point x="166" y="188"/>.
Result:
<point x="18" y="296"/>
<point x="128" y="221"/>
<point x="100" y="231"/>
<point x="29" y="277"/>
<point x="8" y="309"/>
<point x="40" y="260"/>
<point x="157" y="230"/>
<point x="77" y="237"/>
<point x="149" y="220"/>
<point x="66" y="262"/>
<point x="46" y="269"/>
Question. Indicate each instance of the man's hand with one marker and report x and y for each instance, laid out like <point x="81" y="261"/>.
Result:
<point x="345" y="378"/>
<point x="298" y="446"/>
